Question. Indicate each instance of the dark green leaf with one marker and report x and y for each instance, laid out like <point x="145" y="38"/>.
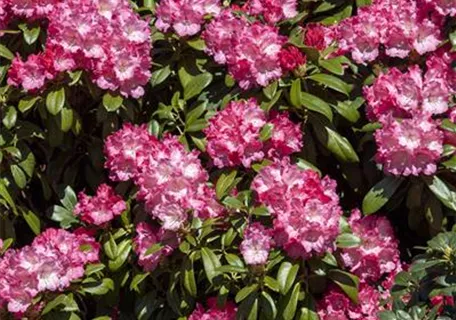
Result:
<point x="33" y="221"/>
<point x="316" y="104"/>
<point x="290" y="303"/>
<point x="196" y="85"/>
<point x="19" y="176"/>
<point x="348" y="240"/>
<point x="160" y="75"/>
<point x="332" y="82"/>
<point x="55" y="101"/>
<point x="6" y="53"/>
<point x="99" y="288"/>
<point x="295" y="93"/>
<point x="379" y="195"/>
<point x="9" y="120"/>
<point x="210" y="262"/>
<point x="112" y="102"/>
<point x="340" y="146"/>
<point x="189" y="278"/>
<point x="245" y="292"/>
<point x="347" y="282"/>
<point x="286" y="276"/>
<point x="444" y="192"/>
<point x="27" y="103"/>
<point x="225" y="183"/>
<point x="266" y="132"/>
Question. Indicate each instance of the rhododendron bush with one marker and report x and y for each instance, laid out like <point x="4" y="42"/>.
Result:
<point x="244" y="159"/>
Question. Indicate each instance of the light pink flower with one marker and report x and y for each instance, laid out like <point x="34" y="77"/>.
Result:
<point x="101" y="208"/>
<point x="286" y="136"/>
<point x="256" y="244"/>
<point x="273" y="10"/>
<point x="305" y="208"/>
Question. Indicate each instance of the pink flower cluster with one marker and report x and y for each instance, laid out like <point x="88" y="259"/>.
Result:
<point x="103" y="37"/>
<point x="54" y="259"/>
<point x="233" y="135"/>
<point x="305" y="208"/>
<point x="273" y="11"/>
<point x="378" y="253"/>
<point x="410" y="142"/>
<point x="400" y="26"/>
<point x="171" y="180"/>
<point x="256" y="244"/>
<point x="335" y="305"/>
<point x="185" y="17"/>
<point x="146" y="238"/>
<point x="101" y="208"/>
<point x="227" y="312"/>
<point x="444" y="7"/>
<point x="251" y="50"/>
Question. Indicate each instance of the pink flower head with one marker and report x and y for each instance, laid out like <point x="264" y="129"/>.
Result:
<point x="286" y="136"/>
<point x="101" y="208"/>
<point x="173" y="183"/>
<point x="409" y="94"/>
<point x="32" y="10"/>
<point x="233" y="134"/>
<point x="273" y="10"/>
<point x="185" y="17"/>
<point x="31" y="74"/>
<point x="227" y="312"/>
<point x="318" y="36"/>
<point x="335" y="305"/>
<point x="291" y="58"/>
<point x="409" y="146"/>
<point x="305" y="208"/>
<point x="256" y="244"/>
<point x="146" y="238"/>
<point x="55" y="258"/>
<point x="443" y="7"/>
<point x="442" y="301"/>
<point x="126" y="149"/>
<point x="250" y="50"/>
<point x="378" y="253"/>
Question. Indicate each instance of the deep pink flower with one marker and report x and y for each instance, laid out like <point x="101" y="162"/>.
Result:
<point x="318" y="36"/>
<point x="273" y="10"/>
<point x="305" y="208"/>
<point x="256" y="244"/>
<point x="409" y="146"/>
<point x="31" y="74"/>
<point x="286" y="136"/>
<point x="291" y="58"/>
<point x="101" y="208"/>
<point x="378" y="253"/>
<point x="227" y="312"/>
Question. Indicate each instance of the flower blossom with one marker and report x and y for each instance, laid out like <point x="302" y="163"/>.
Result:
<point x="251" y="50"/>
<point x="147" y="236"/>
<point x="105" y="38"/>
<point x="227" y="312"/>
<point x="409" y="146"/>
<point x="378" y="253"/>
<point x="336" y="305"/>
<point x="318" y="36"/>
<point x="233" y="135"/>
<point x="399" y="26"/>
<point x="185" y="17"/>
<point x="54" y="259"/>
<point x="256" y="244"/>
<point x="443" y="7"/>
<point x="291" y="58"/>
<point x="273" y="11"/>
<point x="305" y="208"/>
<point x="101" y="208"/>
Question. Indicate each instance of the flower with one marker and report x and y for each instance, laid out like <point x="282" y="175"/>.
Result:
<point x="185" y="17"/>
<point x="286" y="137"/>
<point x="31" y="74"/>
<point x="273" y="10"/>
<point x="336" y="305"/>
<point x="54" y="259"/>
<point x="227" y="312"/>
<point x="291" y="58"/>
<point x="101" y="208"/>
<point x="305" y="208"/>
<point x="256" y="244"/>
<point x="146" y="238"/>
<point x="409" y="146"/>
<point x="126" y="149"/>
<point x="233" y="134"/>
<point x="318" y="36"/>
<point x="378" y="253"/>
<point x="250" y="49"/>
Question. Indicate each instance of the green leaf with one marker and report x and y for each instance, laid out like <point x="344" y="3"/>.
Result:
<point x="195" y="113"/>
<point x="19" y="176"/>
<point x="268" y="306"/>
<point x="99" y="288"/>
<point x="340" y="146"/>
<point x="210" y="262"/>
<point x="27" y="103"/>
<point x="64" y="216"/>
<point x="286" y="276"/>
<point x="196" y="126"/>
<point x="160" y="75"/>
<point x="380" y="194"/>
<point x="30" y="35"/>
<point x="55" y="101"/>
<point x="153" y="249"/>
<point x="361" y="3"/>
<point x="197" y="44"/>
<point x="332" y="82"/>
<point x="196" y="85"/>
<point x="9" y="120"/>
<point x="6" y="53"/>
<point x="60" y="299"/>
<point x="450" y="164"/>
<point x="444" y="192"/>
<point x="110" y="248"/>
<point x="112" y="102"/>
<point x="245" y="292"/>
<point x="231" y="269"/>
<point x="124" y="249"/>
<point x="271" y="90"/>
<point x="316" y="104"/>
<point x="348" y="240"/>
<point x="28" y="165"/>
<point x="5" y="195"/>
<point x="347" y="282"/>
<point x="334" y="65"/>
<point x="189" y="278"/>
<point x="225" y="183"/>
<point x="137" y="279"/>
<point x="348" y="110"/>
<point x="266" y="132"/>
<point x="295" y="93"/>
<point x="33" y="221"/>
<point x="69" y="200"/>
<point x="290" y="303"/>
<point x="66" y="119"/>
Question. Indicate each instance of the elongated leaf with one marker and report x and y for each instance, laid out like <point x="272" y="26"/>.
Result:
<point x="189" y="278"/>
<point x="27" y="103"/>
<point x="9" y="120"/>
<point x="196" y="85"/>
<point x="245" y="292"/>
<point x="210" y="262"/>
<point x="55" y="101"/>
<point x="348" y="240"/>
<point x="33" y="221"/>
<point x="6" y="195"/>
<point x="286" y="276"/>
<point x="340" y="146"/>
<point x="379" y="195"/>
<point x="6" y="53"/>
<point x="316" y="104"/>
<point x="295" y="93"/>
<point x="444" y="192"/>
<point x="347" y="282"/>
<point x="160" y="75"/>
<point x="112" y="102"/>
<point x="290" y="302"/>
<point x="19" y="176"/>
<point x="332" y="82"/>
